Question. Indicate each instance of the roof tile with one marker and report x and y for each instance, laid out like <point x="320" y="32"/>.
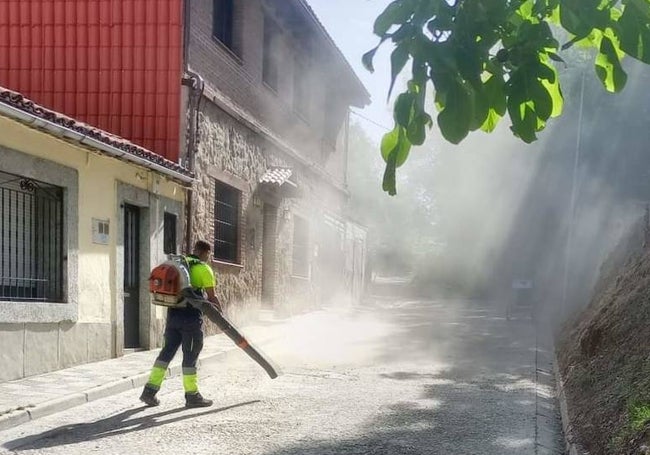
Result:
<point x="18" y="101"/>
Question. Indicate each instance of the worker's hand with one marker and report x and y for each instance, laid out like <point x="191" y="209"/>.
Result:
<point x="213" y="299"/>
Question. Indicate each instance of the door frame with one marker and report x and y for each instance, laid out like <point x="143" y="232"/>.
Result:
<point x="127" y="194"/>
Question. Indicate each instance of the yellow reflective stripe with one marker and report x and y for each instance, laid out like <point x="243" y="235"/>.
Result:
<point x="190" y="383"/>
<point x="156" y="377"/>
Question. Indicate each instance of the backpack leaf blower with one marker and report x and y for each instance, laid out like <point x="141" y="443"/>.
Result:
<point x="169" y="285"/>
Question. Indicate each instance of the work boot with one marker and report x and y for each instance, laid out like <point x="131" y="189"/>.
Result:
<point x="148" y="396"/>
<point x="195" y="400"/>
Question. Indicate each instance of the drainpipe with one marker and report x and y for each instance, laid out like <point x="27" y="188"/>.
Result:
<point x="186" y="32"/>
<point x="197" y="86"/>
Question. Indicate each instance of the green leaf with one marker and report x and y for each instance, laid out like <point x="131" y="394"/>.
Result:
<point x="480" y="106"/>
<point x="496" y="95"/>
<point x="402" y="33"/>
<point x="520" y="108"/>
<point x="572" y="20"/>
<point x="554" y="18"/>
<point x="403" y="109"/>
<point x="469" y="62"/>
<point x="544" y="71"/>
<point x="388" y="184"/>
<point x="642" y="8"/>
<point x="524" y="120"/>
<point x="398" y="59"/>
<point x="366" y="59"/>
<point x="634" y="33"/>
<point x="397" y="12"/>
<point x="454" y="120"/>
<point x="395" y="149"/>
<point x="608" y="67"/>
<point x="615" y="14"/>
<point x="542" y="99"/>
<point x="389" y="143"/>
<point x="491" y="121"/>
<point x="555" y="92"/>
<point x="415" y="132"/>
<point x="403" y="149"/>
<point x="526" y="9"/>
<point x="395" y="142"/>
<point x="536" y="35"/>
<point x="440" y="100"/>
<point x="425" y="11"/>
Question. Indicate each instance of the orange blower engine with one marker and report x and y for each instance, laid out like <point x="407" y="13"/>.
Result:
<point x="168" y="280"/>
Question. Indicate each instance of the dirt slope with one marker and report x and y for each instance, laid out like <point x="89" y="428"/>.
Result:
<point x="604" y="357"/>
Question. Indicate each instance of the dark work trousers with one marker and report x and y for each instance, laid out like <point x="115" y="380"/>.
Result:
<point x="184" y="330"/>
<point x="179" y="333"/>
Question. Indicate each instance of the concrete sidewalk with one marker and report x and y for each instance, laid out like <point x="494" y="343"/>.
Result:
<point x="33" y="397"/>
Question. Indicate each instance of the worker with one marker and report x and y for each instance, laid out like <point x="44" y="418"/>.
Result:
<point x="184" y="328"/>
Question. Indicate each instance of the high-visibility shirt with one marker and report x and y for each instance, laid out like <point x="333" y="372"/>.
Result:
<point x="201" y="274"/>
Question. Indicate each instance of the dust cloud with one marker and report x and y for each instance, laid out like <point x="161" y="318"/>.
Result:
<point x="471" y="219"/>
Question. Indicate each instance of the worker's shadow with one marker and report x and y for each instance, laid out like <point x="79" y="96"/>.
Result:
<point x="115" y="425"/>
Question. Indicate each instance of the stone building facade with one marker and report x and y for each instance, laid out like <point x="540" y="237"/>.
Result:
<point x="270" y="140"/>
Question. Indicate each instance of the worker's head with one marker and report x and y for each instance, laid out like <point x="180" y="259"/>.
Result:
<point x="202" y="250"/>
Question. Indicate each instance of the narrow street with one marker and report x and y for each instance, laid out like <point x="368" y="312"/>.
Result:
<point x="391" y="377"/>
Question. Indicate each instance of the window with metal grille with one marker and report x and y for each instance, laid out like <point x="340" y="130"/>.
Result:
<point x="31" y="240"/>
<point x="300" y="261"/>
<point x="169" y="233"/>
<point x="226" y="223"/>
<point x="222" y="21"/>
<point x="270" y="54"/>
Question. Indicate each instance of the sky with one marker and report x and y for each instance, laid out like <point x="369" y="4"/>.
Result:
<point x="349" y="23"/>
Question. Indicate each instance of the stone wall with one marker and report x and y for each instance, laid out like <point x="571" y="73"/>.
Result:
<point x="228" y="151"/>
<point x="246" y="127"/>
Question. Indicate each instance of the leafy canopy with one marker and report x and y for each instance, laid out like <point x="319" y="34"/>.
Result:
<point x="489" y="58"/>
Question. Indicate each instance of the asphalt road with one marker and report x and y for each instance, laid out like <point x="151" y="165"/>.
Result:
<point x="392" y="377"/>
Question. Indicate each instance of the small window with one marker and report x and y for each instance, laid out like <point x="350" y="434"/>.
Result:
<point x="169" y="228"/>
<point x="31" y="240"/>
<point x="222" y="21"/>
<point x="270" y="62"/>
<point x="301" y="89"/>
<point x="226" y="223"/>
<point x="300" y="248"/>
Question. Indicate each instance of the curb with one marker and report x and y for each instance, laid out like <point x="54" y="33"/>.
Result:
<point x="13" y="418"/>
<point x="20" y="416"/>
<point x="572" y="447"/>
